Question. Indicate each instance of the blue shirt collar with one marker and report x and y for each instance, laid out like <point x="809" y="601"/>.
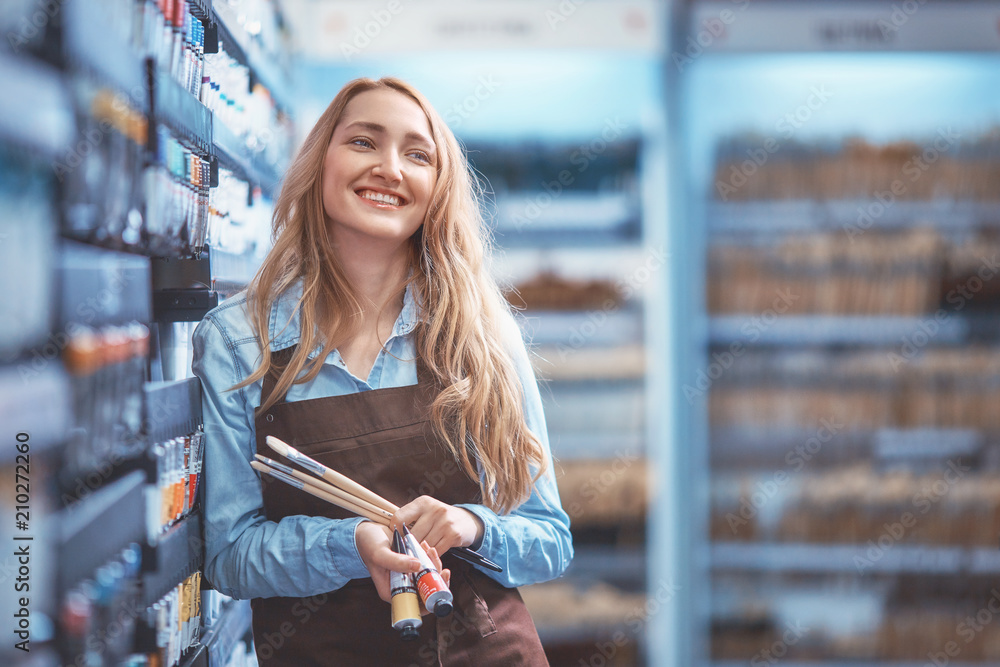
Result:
<point x="284" y="327"/>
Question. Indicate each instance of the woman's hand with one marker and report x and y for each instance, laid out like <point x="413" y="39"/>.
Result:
<point x="442" y="526"/>
<point x="375" y="546"/>
<point x="374" y="543"/>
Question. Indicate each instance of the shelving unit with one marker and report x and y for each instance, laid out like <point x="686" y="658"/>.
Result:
<point x="813" y="552"/>
<point x="99" y="526"/>
<point x="80" y="120"/>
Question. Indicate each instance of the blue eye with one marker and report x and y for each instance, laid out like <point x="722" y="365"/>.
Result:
<point x="361" y="141"/>
<point x="421" y="156"/>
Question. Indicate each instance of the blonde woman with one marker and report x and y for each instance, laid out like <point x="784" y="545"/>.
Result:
<point x="374" y="340"/>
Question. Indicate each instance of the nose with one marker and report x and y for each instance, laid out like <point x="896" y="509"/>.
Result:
<point x="389" y="167"/>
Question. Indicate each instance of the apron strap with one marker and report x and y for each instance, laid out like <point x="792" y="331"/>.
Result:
<point x="279" y="361"/>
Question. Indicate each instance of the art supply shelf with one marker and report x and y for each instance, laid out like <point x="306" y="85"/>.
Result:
<point x="99" y="526"/>
<point x="36" y="110"/>
<point x="171" y="409"/>
<point x="177" y="554"/>
<point x="91" y="47"/>
<point x="36" y="402"/>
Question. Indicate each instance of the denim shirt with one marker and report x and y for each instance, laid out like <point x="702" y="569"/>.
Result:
<point x="246" y="555"/>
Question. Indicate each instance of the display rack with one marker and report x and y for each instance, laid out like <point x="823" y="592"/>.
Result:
<point x="758" y="576"/>
<point x="89" y="47"/>
<point x="35" y="110"/>
<point x="40" y="407"/>
<point x="177" y="554"/>
<point x="171" y="409"/>
<point x="97" y="527"/>
<point x="86" y="356"/>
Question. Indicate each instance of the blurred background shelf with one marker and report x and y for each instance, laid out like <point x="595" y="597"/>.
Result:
<point x="861" y="559"/>
<point x="771" y="217"/>
<point x="788" y="330"/>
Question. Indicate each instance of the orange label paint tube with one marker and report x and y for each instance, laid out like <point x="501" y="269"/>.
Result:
<point x="405" y="605"/>
<point x="430" y="584"/>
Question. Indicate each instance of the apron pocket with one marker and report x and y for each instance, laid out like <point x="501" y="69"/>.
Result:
<point x="473" y="606"/>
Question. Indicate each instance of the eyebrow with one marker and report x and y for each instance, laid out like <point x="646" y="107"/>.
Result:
<point x="375" y="127"/>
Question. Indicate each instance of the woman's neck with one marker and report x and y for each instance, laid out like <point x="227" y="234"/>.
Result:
<point x="377" y="275"/>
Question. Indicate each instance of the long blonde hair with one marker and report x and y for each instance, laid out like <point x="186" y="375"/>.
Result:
<point x="462" y="311"/>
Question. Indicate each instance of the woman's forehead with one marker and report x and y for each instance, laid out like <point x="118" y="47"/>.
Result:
<point x="386" y="109"/>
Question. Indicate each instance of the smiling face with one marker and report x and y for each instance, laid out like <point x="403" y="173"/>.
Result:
<point x="379" y="172"/>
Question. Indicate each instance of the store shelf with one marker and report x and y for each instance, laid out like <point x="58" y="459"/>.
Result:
<point x="102" y="286"/>
<point x="171" y="409"/>
<point x="96" y="528"/>
<point x="860" y="559"/>
<point x="747" y="448"/>
<point x="568" y="446"/>
<point x="571" y="218"/>
<point x="176" y="555"/>
<point x="573" y="330"/>
<point x="234" y="155"/>
<point x="182" y="112"/>
<point x="845" y="216"/>
<point x="838" y="329"/>
<point x="91" y="47"/>
<point x="35" y="399"/>
<point x="240" y="45"/>
<point x="35" y="109"/>
<point x="625" y="567"/>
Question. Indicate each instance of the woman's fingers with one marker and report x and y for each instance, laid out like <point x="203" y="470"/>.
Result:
<point x="441" y="525"/>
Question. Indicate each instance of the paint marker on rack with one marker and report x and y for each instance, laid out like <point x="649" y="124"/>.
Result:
<point x="430" y="584"/>
<point x="405" y="603"/>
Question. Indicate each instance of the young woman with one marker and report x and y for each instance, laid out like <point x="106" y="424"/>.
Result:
<point x="374" y="340"/>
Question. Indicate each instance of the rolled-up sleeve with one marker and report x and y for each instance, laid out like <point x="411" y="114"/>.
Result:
<point x="246" y="555"/>
<point x="533" y="543"/>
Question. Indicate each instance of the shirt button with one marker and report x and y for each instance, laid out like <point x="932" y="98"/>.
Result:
<point x="269" y="418"/>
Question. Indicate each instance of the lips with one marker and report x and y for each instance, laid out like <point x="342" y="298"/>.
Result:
<point x="381" y="198"/>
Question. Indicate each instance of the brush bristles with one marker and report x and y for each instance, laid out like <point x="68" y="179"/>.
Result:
<point x="277" y="445"/>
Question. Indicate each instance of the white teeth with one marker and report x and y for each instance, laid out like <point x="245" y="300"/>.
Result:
<point x="381" y="198"/>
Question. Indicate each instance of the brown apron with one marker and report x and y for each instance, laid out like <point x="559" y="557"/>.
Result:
<point x="382" y="439"/>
